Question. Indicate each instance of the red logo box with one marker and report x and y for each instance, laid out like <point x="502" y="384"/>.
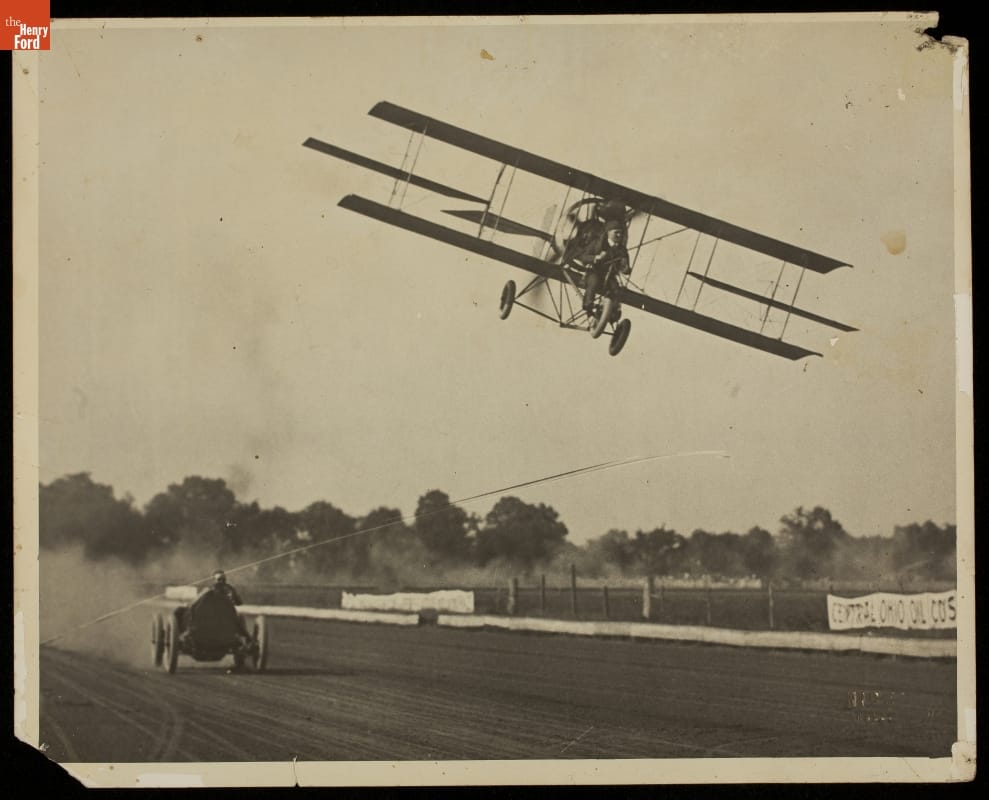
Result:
<point x="26" y="25"/>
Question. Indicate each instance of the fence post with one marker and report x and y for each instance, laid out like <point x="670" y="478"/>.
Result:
<point x="707" y="602"/>
<point x="573" y="590"/>
<point x="513" y="596"/>
<point x="542" y="594"/>
<point x="660" y="609"/>
<point x="604" y="597"/>
<point x="772" y="622"/>
<point x="647" y="587"/>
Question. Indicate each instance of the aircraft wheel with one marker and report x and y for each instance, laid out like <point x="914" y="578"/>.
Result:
<point x="619" y="337"/>
<point x="260" y="655"/>
<point x="157" y="639"/>
<point x="507" y="300"/>
<point x="172" y="644"/>
<point x="604" y="315"/>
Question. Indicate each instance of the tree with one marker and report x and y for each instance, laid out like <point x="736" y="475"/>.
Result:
<point x="614" y="548"/>
<point x="811" y="541"/>
<point x="442" y="528"/>
<point x="324" y="522"/>
<point x="263" y="532"/>
<point x="385" y="530"/>
<point x="519" y="533"/>
<point x="385" y="526"/>
<point x="74" y="510"/>
<point x="397" y="556"/>
<point x="716" y="554"/>
<point x="199" y="512"/>
<point x="925" y="550"/>
<point x="759" y="552"/>
<point x="661" y="551"/>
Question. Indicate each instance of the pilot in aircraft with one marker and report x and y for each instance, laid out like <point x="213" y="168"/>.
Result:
<point x="589" y="235"/>
<point x="611" y="255"/>
<point x="595" y="245"/>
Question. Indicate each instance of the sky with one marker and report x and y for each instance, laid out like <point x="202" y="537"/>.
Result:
<point x="207" y="309"/>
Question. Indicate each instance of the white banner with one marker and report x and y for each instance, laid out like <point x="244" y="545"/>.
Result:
<point x="444" y="600"/>
<point x="927" y="611"/>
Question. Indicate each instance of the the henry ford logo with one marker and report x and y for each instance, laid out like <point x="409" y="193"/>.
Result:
<point x="26" y="25"/>
<point x="29" y="36"/>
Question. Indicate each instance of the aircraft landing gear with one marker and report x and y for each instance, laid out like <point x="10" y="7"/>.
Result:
<point x="602" y="315"/>
<point x="507" y="300"/>
<point x="619" y="337"/>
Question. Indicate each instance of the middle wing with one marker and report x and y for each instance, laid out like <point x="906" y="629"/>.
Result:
<point x="544" y="269"/>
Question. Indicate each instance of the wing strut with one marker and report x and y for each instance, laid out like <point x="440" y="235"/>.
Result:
<point x="697" y="241"/>
<point x="501" y="211"/>
<point x="772" y="297"/>
<point x="793" y="302"/>
<point x="487" y="205"/>
<point x="642" y="238"/>
<point x="411" y="170"/>
<point x="706" y="270"/>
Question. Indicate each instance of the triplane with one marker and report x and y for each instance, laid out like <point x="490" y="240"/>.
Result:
<point x="208" y="629"/>
<point x="584" y="265"/>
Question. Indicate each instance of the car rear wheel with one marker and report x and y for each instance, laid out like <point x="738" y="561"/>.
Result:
<point x="172" y="644"/>
<point x="260" y="656"/>
<point x="157" y="639"/>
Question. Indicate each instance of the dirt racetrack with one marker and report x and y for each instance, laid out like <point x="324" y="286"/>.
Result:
<point x="337" y="691"/>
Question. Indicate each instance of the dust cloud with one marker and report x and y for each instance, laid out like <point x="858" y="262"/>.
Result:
<point x="104" y="607"/>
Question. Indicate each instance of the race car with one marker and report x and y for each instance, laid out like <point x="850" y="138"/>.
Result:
<point x="208" y="629"/>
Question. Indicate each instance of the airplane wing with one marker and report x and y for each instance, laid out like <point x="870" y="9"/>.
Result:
<point x="514" y="258"/>
<point x="391" y="172"/>
<point x="584" y="181"/>
<point x="594" y="186"/>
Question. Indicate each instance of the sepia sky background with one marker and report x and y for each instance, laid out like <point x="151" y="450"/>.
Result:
<point x="206" y="308"/>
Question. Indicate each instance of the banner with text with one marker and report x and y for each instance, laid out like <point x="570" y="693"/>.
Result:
<point x="927" y="611"/>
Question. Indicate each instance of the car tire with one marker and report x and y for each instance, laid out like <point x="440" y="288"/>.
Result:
<point x="157" y="639"/>
<point x="172" y="644"/>
<point x="260" y="656"/>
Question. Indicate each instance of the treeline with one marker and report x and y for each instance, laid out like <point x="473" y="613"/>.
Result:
<point x="202" y="518"/>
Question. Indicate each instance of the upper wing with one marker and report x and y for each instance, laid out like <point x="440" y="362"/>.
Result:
<point x="584" y="181"/>
<point x="514" y="258"/>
